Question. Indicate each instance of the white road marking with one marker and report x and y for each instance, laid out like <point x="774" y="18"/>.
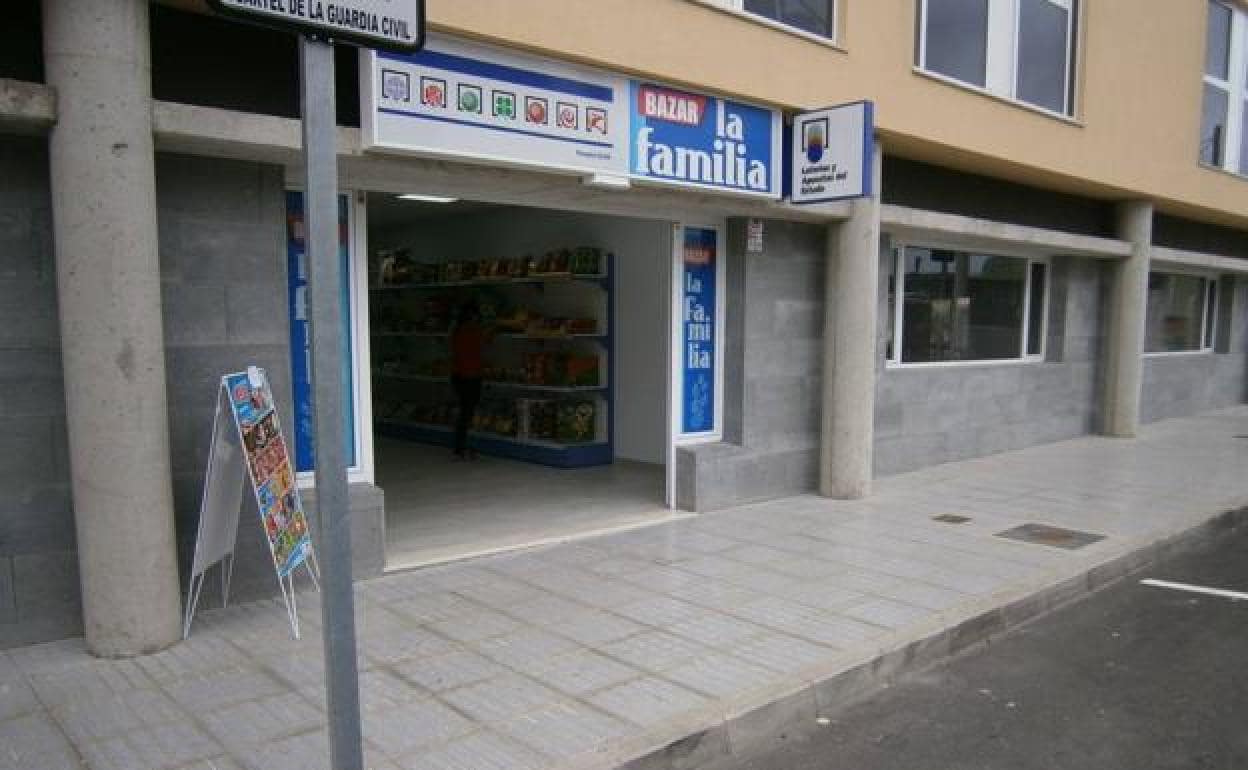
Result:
<point x="1196" y="589"/>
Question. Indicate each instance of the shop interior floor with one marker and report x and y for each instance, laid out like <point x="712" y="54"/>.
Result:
<point x="440" y="509"/>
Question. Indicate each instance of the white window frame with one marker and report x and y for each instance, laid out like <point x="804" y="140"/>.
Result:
<point x="738" y="7"/>
<point x="1001" y="57"/>
<point x="1235" y="87"/>
<point x="899" y="289"/>
<point x="1208" y="312"/>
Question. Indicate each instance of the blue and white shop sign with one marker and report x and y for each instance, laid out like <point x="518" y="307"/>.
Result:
<point x="703" y="141"/>
<point x="831" y="154"/>
<point x="699" y="332"/>
<point x="477" y="103"/>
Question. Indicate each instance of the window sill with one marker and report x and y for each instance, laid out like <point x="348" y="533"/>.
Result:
<point x="1178" y="353"/>
<point x="1067" y="119"/>
<point x="989" y="363"/>
<point x="826" y="42"/>
<point x="1223" y="171"/>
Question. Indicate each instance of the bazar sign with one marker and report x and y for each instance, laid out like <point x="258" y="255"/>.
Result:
<point x="396" y="25"/>
<point x="478" y="103"/>
<point x="832" y="153"/>
<point x="703" y="141"/>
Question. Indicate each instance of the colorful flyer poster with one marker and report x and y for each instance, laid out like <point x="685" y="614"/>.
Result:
<point x="268" y="463"/>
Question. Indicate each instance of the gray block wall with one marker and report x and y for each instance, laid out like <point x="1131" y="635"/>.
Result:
<point x="39" y="589"/>
<point x="772" y="373"/>
<point x="1186" y="384"/>
<point x="223" y="273"/>
<point x="926" y="416"/>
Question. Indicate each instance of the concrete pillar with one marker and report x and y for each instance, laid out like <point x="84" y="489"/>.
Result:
<point x="96" y="55"/>
<point x="851" y="306"/>
<point x="1124" y="345"/>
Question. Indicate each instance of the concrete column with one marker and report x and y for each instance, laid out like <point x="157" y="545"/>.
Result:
<point x="851" y="306"/>
<point x="96" y="55"/>
<point x="1124" y="345"/>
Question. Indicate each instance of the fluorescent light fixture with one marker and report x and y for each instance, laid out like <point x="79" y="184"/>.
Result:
<point x="427" y="198"/>
<point x="606" y="181"/>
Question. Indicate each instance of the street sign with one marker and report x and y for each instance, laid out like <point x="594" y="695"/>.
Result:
<point x="388" y="25"/>
<point x="831" y="153"/>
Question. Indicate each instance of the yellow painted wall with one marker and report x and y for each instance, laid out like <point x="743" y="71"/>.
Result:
<point x="1139" y="96"/>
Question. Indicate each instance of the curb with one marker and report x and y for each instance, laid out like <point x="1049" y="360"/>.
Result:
<point x="791" y="707"/>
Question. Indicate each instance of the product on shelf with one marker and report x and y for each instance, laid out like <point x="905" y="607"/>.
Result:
<point x="575" y="422"/>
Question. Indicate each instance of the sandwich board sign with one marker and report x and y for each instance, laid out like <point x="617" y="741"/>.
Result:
<point x="392" y="25"/>
<point x="247" y="441"/>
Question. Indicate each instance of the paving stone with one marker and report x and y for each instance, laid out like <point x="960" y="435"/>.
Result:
<point x="432" y="607"/>
<point x="565" y="731"/>
<point x="653" y="650"/>
<point x="476" y="626"/>
<point x="720" y="676"/>
<point x="444" y="672"/>
<point x="94" y="680"/>
<point x="404" y="644"/>
<point x="658" y="611"/>
<point x="887" y="613"/>
<point x="547" y="609"/>
<point x="247" y="724"/>
<point x="93" y="717"/>
<point x="200" y="695"/>
<point x="309" y="751"/>
<point x="156" y="748"/>
<point x="16" y="698"/>
<point x="715" y="629"/>
<point x="405" y="727"/>
<point x="502" y="698"/>
<point x="525" y="646"/>
<point x="583" y="671"/>
<point x="33" y="741"/>
<point x="818" y="626"/>
<point x="380" y="689"/>
<point x="595" y="627"/>
<point x="479" y="751"/>
<point x="500" y="594"/>
<point x="647" y="701"/>
<point x="782" y="653"/>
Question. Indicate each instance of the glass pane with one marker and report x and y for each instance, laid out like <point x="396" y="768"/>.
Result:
<point x="1211" y="301"/>
<point x="1218" y="42"/>
<point x="815" y="16"/>
<point x="1243" y="142"/>
<point x="1035" y="318"/>
<point x="1042" y="56"/>
<point x="1175" y="312"/>
<point x="1213" y="126"/>
<point x="956" y="36"/>
<point x="961" y="307"/>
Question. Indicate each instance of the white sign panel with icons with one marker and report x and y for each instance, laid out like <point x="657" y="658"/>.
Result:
<point x="831" y="152"/>
<point x="474" y="102"/>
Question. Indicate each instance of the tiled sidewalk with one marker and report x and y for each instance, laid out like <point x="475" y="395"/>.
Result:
<point x="586" y="655"/>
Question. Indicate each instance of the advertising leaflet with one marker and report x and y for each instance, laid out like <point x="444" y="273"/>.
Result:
<point x="698" y="333"/>
<point x="300" y="331"/>
<point x="696" y="140"/>
<point x="478" y="103"/>
<point x="272" y="477"/>
<point x="832" y="153"/>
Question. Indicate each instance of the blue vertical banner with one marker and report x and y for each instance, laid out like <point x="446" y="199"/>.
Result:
<point x="699" y="274"/>
<point x="300" y="331"/>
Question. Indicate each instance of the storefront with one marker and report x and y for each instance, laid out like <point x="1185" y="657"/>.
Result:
<point x="602" y="349"/>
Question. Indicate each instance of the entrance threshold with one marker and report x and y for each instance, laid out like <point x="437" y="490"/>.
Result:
<point x="647" y="519"/>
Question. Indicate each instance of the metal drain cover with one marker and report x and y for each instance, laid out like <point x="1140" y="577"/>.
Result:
<point x="1043" y="534"/>
<point x="951" y="518"/>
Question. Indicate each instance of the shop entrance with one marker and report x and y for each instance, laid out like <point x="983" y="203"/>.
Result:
<point x="569" y="316"/>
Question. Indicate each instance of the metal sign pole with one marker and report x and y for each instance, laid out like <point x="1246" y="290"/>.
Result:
<point x="333" y="520"/>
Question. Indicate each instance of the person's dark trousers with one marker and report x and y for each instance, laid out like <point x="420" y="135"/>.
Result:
<point x="468" y="392"/>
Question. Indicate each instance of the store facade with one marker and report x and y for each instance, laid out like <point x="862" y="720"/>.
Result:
<point x="732" y="345"/>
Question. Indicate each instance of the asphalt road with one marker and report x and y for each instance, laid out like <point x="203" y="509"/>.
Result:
<point x="1132" y="677"/>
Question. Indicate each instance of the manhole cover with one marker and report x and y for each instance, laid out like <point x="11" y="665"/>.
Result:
<point x="1043" y="534"/>
<point x="951" y="518"/>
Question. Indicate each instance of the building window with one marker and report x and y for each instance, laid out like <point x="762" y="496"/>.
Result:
<point x="1224" y="113"/>
<point x="1018" y="49"/>
<point x="816" y="17"/>
<point x="1181" y="313"/>
<point x="966" y="306"/>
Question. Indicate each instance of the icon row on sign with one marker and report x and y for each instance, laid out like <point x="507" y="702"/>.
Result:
<point x="502" y="104"/>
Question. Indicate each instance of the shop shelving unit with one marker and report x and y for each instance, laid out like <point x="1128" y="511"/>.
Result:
<point x="524" y="447"/>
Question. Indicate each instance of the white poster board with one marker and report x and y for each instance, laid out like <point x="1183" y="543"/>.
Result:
<point x="832" y="152"/>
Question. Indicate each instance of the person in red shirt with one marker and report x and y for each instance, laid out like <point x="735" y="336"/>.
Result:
<point x="468" y="342"/>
